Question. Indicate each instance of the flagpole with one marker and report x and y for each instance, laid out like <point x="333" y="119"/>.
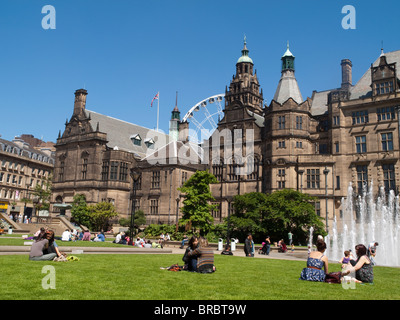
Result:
<point x="158" y="108"/>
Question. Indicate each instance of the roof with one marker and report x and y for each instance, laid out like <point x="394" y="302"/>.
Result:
<point x="120" y="134"/>
<point x="176" y="152"/>
<point x="362" y="88"/>
<point x="288" y="88"/>
<point x="24" y="150"/>
<point x="319" y="104"/>
<point x="259" y="120"/>
<point x="245" y="54"/>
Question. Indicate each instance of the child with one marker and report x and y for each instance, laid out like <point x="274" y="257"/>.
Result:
<point x="346" y="258"/>
<point x="345" y="264"/>
<point x="292" y="247"/>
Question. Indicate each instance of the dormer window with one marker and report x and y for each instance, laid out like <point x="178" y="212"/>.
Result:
<point x="149" y="143"/>
<point x="384" y="87"/>
<point x="136" y="140"/>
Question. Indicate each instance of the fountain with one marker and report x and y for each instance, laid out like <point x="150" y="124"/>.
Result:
<point x="363" y="221"/>
<point x="310" y="241"/>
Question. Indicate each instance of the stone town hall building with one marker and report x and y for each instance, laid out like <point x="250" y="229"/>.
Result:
<point x="318" y="145"/>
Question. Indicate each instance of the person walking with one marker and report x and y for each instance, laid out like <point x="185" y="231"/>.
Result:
<point x="249" y="246"/>
<point x="290" y="237"/>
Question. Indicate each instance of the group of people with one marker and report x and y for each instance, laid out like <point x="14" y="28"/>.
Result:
<point x="81" y="235"/>
<point x="361" y="266"/>
<point x="281" y="245"/>
<point x="123" y="238"/>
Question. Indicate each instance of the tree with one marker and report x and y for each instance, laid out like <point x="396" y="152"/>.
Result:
<point x="197" y="209"/>
<point x="275" y="215"/>
<point x="80" y="211"/>
<point x="100" y="215"/>
<point x="290" y="210"/>
<point x="42" y="193"/>
<point x="249" y="211"/>
<point x="140" y="218"/>
<point x="94" y="217"/>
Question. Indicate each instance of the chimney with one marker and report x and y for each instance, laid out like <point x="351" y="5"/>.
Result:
<point x="80" y="101"/>
<point x="346" y="74"/>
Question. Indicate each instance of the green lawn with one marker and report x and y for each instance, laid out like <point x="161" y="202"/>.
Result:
<point x="139" y="277"/>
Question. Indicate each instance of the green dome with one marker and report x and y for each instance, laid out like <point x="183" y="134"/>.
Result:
<point x="245" y="54"/>
<point x="245" y="59"/>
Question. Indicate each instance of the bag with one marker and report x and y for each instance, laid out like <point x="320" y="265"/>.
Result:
<point x="60" y="259"/>
<point x="72" y="258"/>
<point x="333" y="277"/>
<point x="175" y="267"/>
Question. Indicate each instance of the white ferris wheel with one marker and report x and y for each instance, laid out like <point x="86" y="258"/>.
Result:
<point x="203" y="117"/>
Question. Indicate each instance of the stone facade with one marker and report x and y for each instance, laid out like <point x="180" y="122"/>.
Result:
<point x="21" y="168"/>
<point x="321" y="145"/>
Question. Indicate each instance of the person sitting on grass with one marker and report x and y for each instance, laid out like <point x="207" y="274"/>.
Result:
<point x="205" y="257"/>
<point x="99" y="237"/>
<point x="191" y="261"/>
<point x="363" y="267"/>
<point x="52" y="247"/>
<point x="40" y="244"/>
<point x="315" y="262"/>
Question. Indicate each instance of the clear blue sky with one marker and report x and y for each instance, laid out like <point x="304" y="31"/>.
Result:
<point x="125" y="51"/>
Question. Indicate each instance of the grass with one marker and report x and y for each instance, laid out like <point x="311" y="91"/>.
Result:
<point x="139" y="277"/>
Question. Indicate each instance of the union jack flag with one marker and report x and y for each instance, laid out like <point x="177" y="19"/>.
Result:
<point x="155" y="98"/>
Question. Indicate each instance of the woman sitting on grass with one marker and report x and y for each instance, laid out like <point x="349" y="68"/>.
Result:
<point x="315" y="262"/>
<point x="205" y="257"/>
<point x="40" y="244"/>
<point x="191" y="261"/>
<point x="362" y="266"/>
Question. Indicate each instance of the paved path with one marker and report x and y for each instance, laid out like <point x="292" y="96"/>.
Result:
<point x="171" y="248"/>
<point x="300" y="255"/>
<point x="10" y="250"/>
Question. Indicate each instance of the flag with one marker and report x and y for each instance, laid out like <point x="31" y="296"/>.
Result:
<point x="155" y="98"/>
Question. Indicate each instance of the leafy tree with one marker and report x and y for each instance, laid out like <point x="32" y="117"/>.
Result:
<point x="249" y="212"/>
<point x="290" y="210"/>
<point x="80" y="211"/>
<point x="275" y="214"/>
<point x="140" y="218"/>
<point x="197" y="208"/>
<point x="100" y="215"/>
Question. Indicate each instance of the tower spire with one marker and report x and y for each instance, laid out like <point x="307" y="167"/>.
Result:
<point x="245" y="52"/>
<point x="288" y="87"/>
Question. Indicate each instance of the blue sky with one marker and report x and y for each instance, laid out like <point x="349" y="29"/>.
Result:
<point x="124" y="52"/>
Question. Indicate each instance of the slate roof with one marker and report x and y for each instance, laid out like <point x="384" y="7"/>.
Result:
<point x="362" y="89"/>
<point x="120" y="134"/>
<point x="177" y="152"/>
<point x="319" y="104"/>
<point x="288" y="88"/>
<point x="25" y="150"/>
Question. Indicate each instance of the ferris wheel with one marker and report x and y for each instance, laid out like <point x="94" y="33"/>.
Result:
<point x="203" y="117"/>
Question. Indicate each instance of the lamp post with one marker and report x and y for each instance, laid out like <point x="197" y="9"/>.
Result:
<point x="177" y="213"/>
<point x="326" y="171"/>
<point x="300" y="172"/>
<point x="228" y="231"/>
<point x="135" y="175"/>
